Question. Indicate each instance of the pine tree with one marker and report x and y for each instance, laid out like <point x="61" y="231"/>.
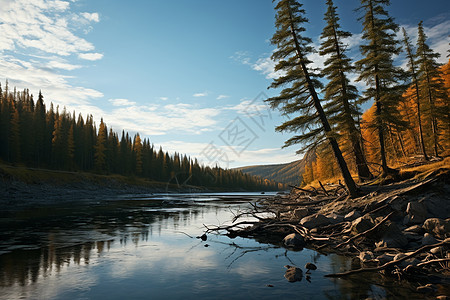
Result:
<point x="378" y="71"/>
<point x="431" y="85"/>
<point x="137" y="149"/>
<point x="100" y="148"/>
<point x="413" y="74"/>
<point x="339" y="93"/>
<point x="39" y="127"/>
<point x="301" y="97"/>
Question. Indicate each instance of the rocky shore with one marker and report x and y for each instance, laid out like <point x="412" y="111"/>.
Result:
<point x="401" y="230"/>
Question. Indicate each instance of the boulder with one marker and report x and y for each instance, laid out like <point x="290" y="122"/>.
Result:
<point x="354" y="214"/>
<point x="293" y="274"/>
<point x="385" y="258"/>
<point x="416" y="213"/>
<point x="301" y="212"/>
<point x="316" y="220"/>
<point x="294" y="240"/>
<point x="438" y="227"/>
<point x="362" y="224"/>
<point x="392" y="236"/>
<point x="428" y="239"/>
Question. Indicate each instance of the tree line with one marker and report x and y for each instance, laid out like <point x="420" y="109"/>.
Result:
<point x="34" y="136"/>
<point x="325" y="113"/>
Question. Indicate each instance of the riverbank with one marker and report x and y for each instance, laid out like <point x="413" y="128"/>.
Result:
<point x="400" y="229"/>
<point x="22" y="186"/>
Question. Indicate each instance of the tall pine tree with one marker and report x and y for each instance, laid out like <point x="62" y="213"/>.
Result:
<point x="412" y="72"/>
<point x="301" y="97"/>
<point x="340" y="94"/>
<point x="377" y="70"/>
<point x="431" y="86"/>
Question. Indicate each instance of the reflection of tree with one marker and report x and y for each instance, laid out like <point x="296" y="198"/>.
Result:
<point x="59" y="228"/>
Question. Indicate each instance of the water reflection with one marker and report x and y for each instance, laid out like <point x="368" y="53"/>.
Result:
<point x="145" y="247"/>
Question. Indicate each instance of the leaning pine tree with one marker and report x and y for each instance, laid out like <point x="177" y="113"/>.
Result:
<point x="377" y="70"/>
<point x="412" y="72"/>
<point x="301" y="97"/>
<point x="339" y="93"/>
<point x="432" y="86"/>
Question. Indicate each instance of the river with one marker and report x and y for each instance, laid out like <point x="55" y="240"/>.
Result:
<point x="146" y="247"/>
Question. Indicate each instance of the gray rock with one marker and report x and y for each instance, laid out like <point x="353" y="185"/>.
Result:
<point x="294" y="240"/>
<point x="362" y="224"/>
<point x="385" y="258"/>
<point x="316" y="220"/>
<point x="310" y="266"/>
<point x="301" y="212"/>
<point x="428" y="239"/>
<point x="354" y="214"/>
<point x="438" y="227"/>
<point x="416" y="213"/>
<point x="392" y="236"/>
<point x="293" y="274"/>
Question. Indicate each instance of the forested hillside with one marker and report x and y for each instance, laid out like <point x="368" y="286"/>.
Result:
<point x="33" y="136"/>
<point x="289" y="173"/>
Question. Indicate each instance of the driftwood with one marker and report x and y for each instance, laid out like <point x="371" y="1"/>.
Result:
<point x="324" y="190"/>
<point x="391" y="263"/>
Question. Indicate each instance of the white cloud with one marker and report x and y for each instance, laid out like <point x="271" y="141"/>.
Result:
<point x="90" y="56"/>
<point x="160" y="119"/>
<point x="41" y="25"/>
<point x="31" y="75"/>
<point x="204" y="94"/>
<point x="62" y="65"/>
<point x="220" y="97"/>
<point x="163" y="98"/>
<point x="92" y="17"/>
<point x="121" y="102"/>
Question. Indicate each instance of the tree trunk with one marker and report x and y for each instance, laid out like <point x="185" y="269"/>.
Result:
<point x="361" y="165"/>
<point x="350" y="184"/>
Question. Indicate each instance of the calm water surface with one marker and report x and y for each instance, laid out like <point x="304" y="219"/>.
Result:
<point x="145" y="247"/>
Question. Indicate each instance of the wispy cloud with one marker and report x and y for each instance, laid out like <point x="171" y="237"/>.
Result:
<point x="121" y="102"/>
<point x="157" y="119"/>
<point x="163" y="98"/>
<point x="204" y="94"/>
<point x="220" y="97"/>
<point x="91" y="17"/>
<point x="90" y="56"/>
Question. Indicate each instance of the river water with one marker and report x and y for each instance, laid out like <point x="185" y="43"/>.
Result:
<point x="146" y="247"/>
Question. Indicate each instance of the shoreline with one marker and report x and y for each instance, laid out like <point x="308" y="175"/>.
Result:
<point x="401" y="230"/>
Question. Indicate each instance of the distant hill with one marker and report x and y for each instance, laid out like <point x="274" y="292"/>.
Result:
<point x="288" y="173"/>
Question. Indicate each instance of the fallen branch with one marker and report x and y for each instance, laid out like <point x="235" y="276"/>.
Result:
<point x="300" y="189"/>
<point x="391" y="263"/>
<point x="433" y="261"/>
<point x="324" y="190"/>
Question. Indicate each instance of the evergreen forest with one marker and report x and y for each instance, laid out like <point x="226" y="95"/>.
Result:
<point x="32" y="135"/>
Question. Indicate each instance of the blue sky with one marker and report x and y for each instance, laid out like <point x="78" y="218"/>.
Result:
<point x="190" y="75"/>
